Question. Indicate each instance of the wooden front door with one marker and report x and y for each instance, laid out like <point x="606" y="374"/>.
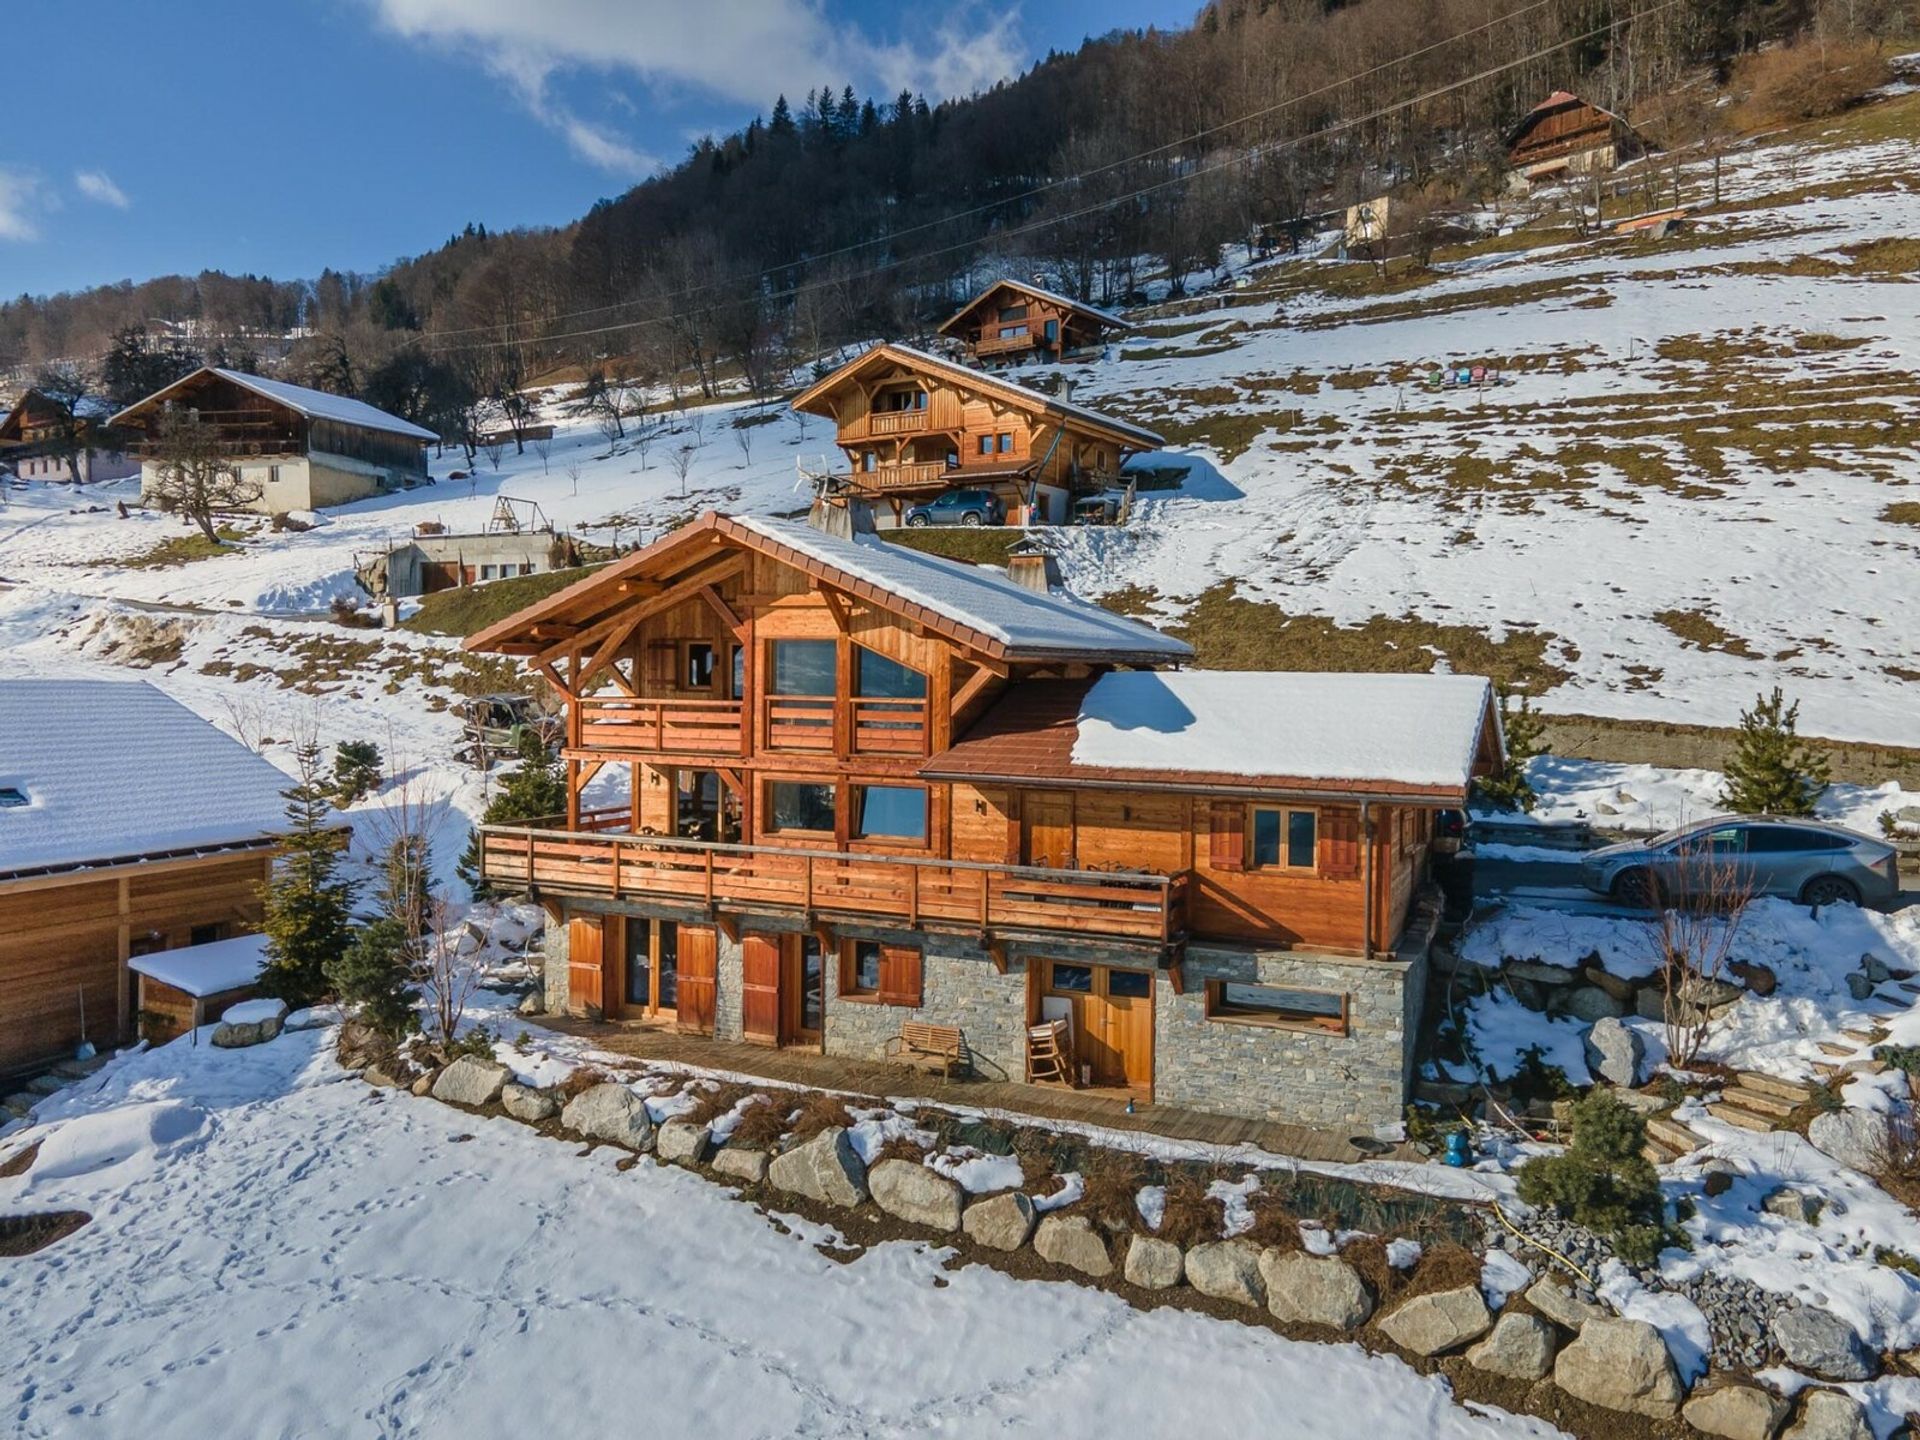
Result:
<point x="699" y="978"/>
<point x="760" y="988"/>
<point x="586" y="964"/>
<point x="803" y="990"/>
<point x="1112" y="1019"/>
<point x="1046" y="828"/>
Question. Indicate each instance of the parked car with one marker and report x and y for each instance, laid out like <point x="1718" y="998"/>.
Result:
<point x="1803" y="860"/>
<point x="960" y="507"/>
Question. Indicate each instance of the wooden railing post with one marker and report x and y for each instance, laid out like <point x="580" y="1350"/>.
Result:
<point x="709" y="879"/>
<point x="913" y="894"/>
<point x="807" y="894"/>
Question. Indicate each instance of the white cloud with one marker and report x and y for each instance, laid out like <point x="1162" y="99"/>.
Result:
<point x="98" y="185"/>
<point x="22" y="197"/>
<point x="744" y="51"/>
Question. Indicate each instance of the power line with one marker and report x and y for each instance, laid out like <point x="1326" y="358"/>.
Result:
<point x="1047" y="222"/>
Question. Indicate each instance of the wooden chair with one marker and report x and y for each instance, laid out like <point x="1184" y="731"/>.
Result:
<point x="945" y="1045"/>
<point x="1049" y="1058"/>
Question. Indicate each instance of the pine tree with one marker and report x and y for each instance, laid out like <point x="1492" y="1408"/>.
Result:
<point x="1773" y="771"/>
<point x="356" y="770"/>
<point x="1510" y="789"/>
<point x="308" y="902"/>
<point x="535" y="789"/>
<point x="1603" y="1181"/>
<point x="373" y="973"/>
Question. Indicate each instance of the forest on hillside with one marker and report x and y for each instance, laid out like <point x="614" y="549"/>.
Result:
<point x="837" y="217"/>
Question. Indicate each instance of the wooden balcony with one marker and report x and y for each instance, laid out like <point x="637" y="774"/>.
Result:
<point x="622" y="725"/>
<point x="889" y="727"/>
<point x="1005" y="345"/>
<point x="1108" y="905"/>
<point x="897" y="422"/>
<point x="896" y="477"/>
<point x="808" y="724"/>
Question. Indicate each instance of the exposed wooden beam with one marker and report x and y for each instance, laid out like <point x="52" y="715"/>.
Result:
<point x="971" y="691"/>
<point x="733" y="780"/>
<point x="627" y="617"/>
<point x="545" y="667"/>
<point x="609" y="648"/>
<point x="718" y="604"/>
<point x="836" y="604"/>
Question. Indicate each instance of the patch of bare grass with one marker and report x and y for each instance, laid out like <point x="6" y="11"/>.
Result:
<point x="1703" y="632"/>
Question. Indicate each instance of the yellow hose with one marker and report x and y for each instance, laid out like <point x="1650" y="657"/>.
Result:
<point x="1501" y="1215"/>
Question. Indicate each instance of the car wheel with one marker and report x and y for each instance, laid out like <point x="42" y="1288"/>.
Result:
<point x="1636" y="887"/>
<point x="972" y="517"/>
<point x="918" y="522"/>
<point x="1829" y="890"/>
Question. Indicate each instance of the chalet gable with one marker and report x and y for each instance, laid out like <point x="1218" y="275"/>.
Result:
<point x="1004" y="293"/>
<point x="308" y="404"/>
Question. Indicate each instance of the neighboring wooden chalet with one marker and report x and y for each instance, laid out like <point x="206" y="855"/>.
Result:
<point x="304" y="448"/>
<point x="33" y="445"/>
<point x="128" y="825"/>
<point x="1566" y="136"/>
<point x="867" y="786"/>
<point x="913" y="425"/>
<point x="1012" y="322"/>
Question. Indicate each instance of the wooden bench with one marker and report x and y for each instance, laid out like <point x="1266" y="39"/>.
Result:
<point x="945" y="1045"/>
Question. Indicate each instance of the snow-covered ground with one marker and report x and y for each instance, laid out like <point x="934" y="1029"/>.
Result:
<point x="278" y="1249"/>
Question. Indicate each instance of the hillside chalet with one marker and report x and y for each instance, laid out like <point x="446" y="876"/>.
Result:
<point x="868" y="788"/>
<point x="128" y="826"/>
<point x="914" y="425"/>
<point x="1566" y="136"/>
<point x="1012" y="322"/>
<point x="303" y="449"/>
<point x="33" y="443"/>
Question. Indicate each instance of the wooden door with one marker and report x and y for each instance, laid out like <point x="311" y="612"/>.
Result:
<point x="699" y="970"/>
<point x="586" y="964"/>
<point x="803" y="980"/>
<point x="1126" y="1043"/>
<point x="760" y="988"/>
<point x="1046" y="828"/>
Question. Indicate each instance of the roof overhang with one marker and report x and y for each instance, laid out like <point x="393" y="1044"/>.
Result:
<point x="1101" y="317"/>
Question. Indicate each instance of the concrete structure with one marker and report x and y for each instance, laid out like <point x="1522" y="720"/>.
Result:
<point x="424" y="564"/>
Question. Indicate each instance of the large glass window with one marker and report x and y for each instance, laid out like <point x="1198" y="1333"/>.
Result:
<point x="1284" y="838"/>
<point x="669" y="964"/>
<point x="890" y="812"/>
<point x="798" y="805"/>
<point x="1277" y="1005"/>
<point x="639" y="963"/>
<point x="879" y="678"/>
<point x="805" y="667"/>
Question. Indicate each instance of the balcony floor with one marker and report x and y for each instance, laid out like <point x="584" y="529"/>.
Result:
<point x="877" y="1078"/>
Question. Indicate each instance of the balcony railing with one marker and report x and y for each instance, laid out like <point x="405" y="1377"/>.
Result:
<point x="889" y="727"/>
<point x="892" y="477"/>
<point x="896" y="422"/>
<point x="800" y="722"/>
<point x="1129" y="905"/>
<point x="1004" y="344"/>
<point x="628" y="726"/>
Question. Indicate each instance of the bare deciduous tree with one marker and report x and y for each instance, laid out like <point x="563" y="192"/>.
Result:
<point x="543" y="447"/>
<point x="1701" y="904"/>
<point x="449" y="970"/>
<point x="682" y="463"/>
<point x="192" y="474"/>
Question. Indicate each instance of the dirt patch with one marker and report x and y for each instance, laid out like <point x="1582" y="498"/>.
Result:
<point x="20" y="1163"/>
<point x="1902" y="512"/>
<point x="25" y="1234"/>
<point x="1703" y="632"/>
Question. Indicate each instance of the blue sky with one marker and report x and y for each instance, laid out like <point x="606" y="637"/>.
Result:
<point x="279" y="136"/>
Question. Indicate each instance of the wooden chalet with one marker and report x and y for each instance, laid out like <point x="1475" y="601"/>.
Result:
<point x="32" y="443"/>
<point x="914" y="425"/>
<point x="1012" y="322"/>
<point x="128" y="826"/>
<point x="304" y="449"/>
<point x="1566" y="136"/>
<point x="822" y="787"/>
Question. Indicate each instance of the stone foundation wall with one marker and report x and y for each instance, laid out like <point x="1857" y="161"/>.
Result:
<point x="958" y="986"/>
<point x="554" y="951"/>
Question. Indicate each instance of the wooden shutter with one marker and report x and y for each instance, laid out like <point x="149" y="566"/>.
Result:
<point x="1339" y="844"/>
<point x="1228" y="850"/>
<point x="900" y="967"/>
<point x="663" y="664"/>
<point x="760" y="988"/>
<point x="699" y="972"/>
<point x="586" y="964"/>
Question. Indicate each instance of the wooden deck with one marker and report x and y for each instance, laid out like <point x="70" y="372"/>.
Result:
<point x="881" y="1079"/>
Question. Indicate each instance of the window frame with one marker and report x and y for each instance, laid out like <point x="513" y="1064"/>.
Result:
<point x="765" y="819"/>
<point x="855" y="792"/>
<point x="1282" y="860"/>
<point x="1219" y="1010"/>
<point x="850" y="987"/>
<point x="685" y="677"/>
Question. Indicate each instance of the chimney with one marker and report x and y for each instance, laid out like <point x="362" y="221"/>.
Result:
<point x="1066" y="388"/>
<point x="842" y="515"/>
<point x="1032" y="568"/>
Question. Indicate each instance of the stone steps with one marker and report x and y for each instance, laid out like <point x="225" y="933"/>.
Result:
<point x="1871" y="1036"/>
<point x="1672" y="1135"/>
<point x="1773" y="1085"/>
<point x="1839" y="1052"/>
<point x="1742" y="1119"/>
<point x="1759" y="1103"/>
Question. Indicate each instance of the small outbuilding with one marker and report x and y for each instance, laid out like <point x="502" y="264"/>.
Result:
<point x="181" y="990"/>
<point x="1566" y="136"/>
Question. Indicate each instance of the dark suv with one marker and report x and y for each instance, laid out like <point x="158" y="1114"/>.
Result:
<point x="960" y="507"/>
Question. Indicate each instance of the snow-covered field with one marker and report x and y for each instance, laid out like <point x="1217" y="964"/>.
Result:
<point x="278" y="1249"/>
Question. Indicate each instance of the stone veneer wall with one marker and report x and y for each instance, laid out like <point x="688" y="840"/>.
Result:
<point x="958" y="986"/>
<point x="554" y="948"/>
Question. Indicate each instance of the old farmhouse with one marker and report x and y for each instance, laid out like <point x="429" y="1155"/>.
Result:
<point x="128" y="826"/>
<point x="872" y="794"/>
<point x="301" y="449"/>
<point x="914" y="425"/>
<point x="1012" y="322"/>
<point x="35" y="443"/>
<point x="1566" y="136"/>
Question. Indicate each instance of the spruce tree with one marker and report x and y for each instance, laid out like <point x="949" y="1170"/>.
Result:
<point x="1510" y="789"/>
<point x="308" y="902"/>
<point x="356" y="770"/>
<point x="535" y="789"/>
<point x="373" y="973"/>
<point x="1603" y="1181"/>
<point x="1773" y="771"/>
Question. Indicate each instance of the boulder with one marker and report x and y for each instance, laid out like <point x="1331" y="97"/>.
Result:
<point x="1588" y="1003"/>
<point x="1554" y="1298"/>
<point x="1541" y="973"/>
<point x="682" y="1142"/>
<point x="611" y="1113"/>
<point x="1072" y="1241"/>
<point x="1614" y="985"/>
<point x="1153" y="1264"/>
<point x="826" y="1169"/>
<point x="1315" y="1290"/>
<point x="422" y="1085"/>
<point x="1735" y="1410"/>
<point x="532" y="1003"/>
<point x="378" y="1075"/>
<point x="524" y="1102"/>
<point x="471" y="1081"/>
<point x="1228" y="1270"/>
<point x="1821" y="1343"/>
<point x="1859" y="986"/>
<point x="1875" y="969"/>
<point x="1441" y="1321"/>
<point x="1520" y="1348"/>
<point x="1791" y="1204"/>
<point x="1759" y="979"/>
<point x="251" y="1022"/>
<point x="1620" y="1365"/>
<point x="909" y="1191"/>
<point x="1856" y="1138"/>
<point x="1829" y="1415"/>
<point x="741" y="1162"/>
<point x="1615" y="1053"/>
<point x="1000" y="1222"/>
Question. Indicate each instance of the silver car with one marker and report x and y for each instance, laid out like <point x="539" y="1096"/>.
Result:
<point x="1803" y="860"/>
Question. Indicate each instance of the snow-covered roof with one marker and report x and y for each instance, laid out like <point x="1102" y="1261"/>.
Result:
<point x="210" y="969"/>
<point x="1040" y="292"/>
<point x="113" y="770"/>
<point x="978" y="597"/>
<point x="314" y="404"/>
<point x="1416" y="730"/>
